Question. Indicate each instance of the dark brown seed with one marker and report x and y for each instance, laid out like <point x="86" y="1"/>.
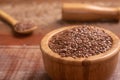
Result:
<point x="23" y="26"/>
<point x="80" y="42"/>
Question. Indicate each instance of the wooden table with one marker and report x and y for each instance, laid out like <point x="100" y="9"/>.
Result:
<point x="20" y="56"/>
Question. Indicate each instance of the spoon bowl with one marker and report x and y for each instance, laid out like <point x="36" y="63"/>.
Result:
<point x="26" y="31"/>
<point x="24" y="27"/>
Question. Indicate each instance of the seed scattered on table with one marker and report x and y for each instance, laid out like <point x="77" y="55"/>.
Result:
<point x="80" y="42"/>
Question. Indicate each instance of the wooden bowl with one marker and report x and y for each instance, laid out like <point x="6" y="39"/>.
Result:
<point x="98" y="67"/>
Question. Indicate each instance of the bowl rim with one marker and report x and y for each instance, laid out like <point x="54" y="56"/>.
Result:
<point x="92" y="59"/>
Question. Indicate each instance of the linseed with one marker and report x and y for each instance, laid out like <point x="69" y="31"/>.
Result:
<point x="23" y="26"/>
<point x="80" y="42"/>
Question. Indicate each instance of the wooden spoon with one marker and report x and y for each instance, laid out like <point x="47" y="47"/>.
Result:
<point x="19" y="27"/>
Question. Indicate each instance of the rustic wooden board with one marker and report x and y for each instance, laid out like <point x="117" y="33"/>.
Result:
<point x="21" y="63"/>
<point x="25" y="63"/>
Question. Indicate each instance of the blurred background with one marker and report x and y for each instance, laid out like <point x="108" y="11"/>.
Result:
<point x="46" y="14"/>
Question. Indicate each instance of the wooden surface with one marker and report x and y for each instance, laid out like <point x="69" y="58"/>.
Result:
<point x="25" y="63"/>
<point x="21" y="63"/>
<point x="19" y="59"/>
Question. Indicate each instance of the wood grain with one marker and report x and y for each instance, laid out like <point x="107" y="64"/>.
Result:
<point x="25" y="63"/>
<point x="21" y="63"/>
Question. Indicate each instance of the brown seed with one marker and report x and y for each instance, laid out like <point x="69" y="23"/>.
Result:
<point x="80" y="42"/>
<point x="23" y="26"/>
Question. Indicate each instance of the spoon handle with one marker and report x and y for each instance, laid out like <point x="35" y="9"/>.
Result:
<point x="86" y="12"/>
<point x="8" y="18"/>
